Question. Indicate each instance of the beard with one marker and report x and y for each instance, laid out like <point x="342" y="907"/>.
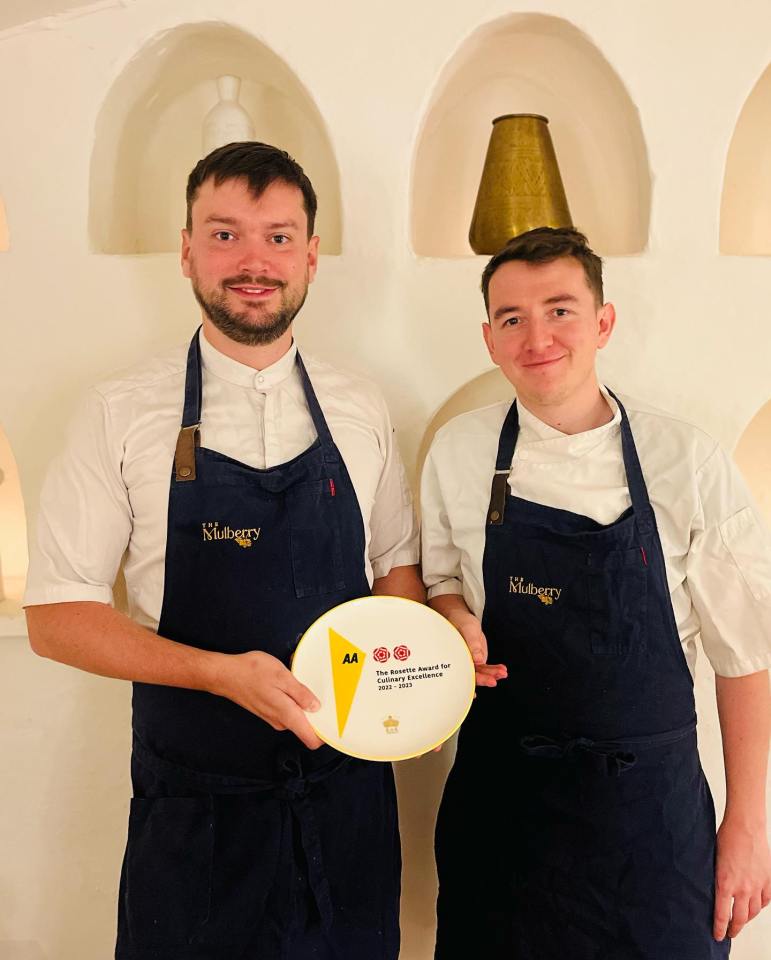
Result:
<point x="252" y="326"/>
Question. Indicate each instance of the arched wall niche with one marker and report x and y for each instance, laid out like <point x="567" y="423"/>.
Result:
<point x="148" y="135"/>
<point x="487" y="388"/>
<point x="745" y="208"/>
<point x="753" y="456"/>
<point x="13" y="533"/>
<point x="532" y="63"/>
<point x="5" y="236"/>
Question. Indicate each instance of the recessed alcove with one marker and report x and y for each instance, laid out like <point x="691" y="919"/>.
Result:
<point x="148" y="135"/>
<point x="532" y="63"/>
<point x="745" y="208"/>
<point x="5" y="238"/>
<point x="13" y="534"/>
<point x="487" y="388"/>
<point x="753" y="457"/>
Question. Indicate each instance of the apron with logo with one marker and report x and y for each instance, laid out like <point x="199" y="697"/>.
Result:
<point x="242" y="842"/>
<point x="577" y="823"/>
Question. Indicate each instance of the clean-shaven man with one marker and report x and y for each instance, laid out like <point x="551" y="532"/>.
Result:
<point x="581" y="543"/>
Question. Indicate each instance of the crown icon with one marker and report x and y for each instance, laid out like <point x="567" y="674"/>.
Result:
<point x="391" y="724"/>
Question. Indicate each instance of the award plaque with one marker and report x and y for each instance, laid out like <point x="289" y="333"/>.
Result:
<point x="395" y="679"/>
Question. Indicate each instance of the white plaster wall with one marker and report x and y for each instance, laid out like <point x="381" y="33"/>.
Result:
<point x="693" y="337"/>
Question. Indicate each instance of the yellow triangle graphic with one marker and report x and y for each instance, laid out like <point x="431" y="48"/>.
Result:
<point x="347" y="664"/>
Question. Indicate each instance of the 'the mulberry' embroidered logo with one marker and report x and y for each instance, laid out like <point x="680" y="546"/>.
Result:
<point x="547" y="595"/>
<point x="243" y="536"/>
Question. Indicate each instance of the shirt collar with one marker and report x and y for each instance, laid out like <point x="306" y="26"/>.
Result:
<point x="545" y="441"/>
<point x="225" y="368"/>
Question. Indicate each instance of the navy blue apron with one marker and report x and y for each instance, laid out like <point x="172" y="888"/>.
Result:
<point x="242" y="842"/>
<point x="577" y="823"/>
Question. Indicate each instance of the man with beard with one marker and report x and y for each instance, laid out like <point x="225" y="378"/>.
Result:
<point x="251" y="490"/>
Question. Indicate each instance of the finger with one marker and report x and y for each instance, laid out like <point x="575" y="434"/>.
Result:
<point x="483" y="647"/>
<point x="765" y="897"/>
<point x="722" y="916"/>
<point x="477" y="650"/>
<point x="755" y="906"/>
<point x="302" y="696"/>
<point x="739" y="915"/>
<point x="297" y="722"/>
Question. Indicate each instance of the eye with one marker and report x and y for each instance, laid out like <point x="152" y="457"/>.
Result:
<point x="511" y="321"/>
<point x="561" y="312"/>
<point x="280" y="239"/>
<point x="225" y="235"/>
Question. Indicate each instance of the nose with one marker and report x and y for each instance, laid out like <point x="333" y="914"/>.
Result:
<point x="539" y="335"/>
<point x="255" y="257"/>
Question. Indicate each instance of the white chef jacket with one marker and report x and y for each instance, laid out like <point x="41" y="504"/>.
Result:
<point x="716" y="548"/>
<point x="108" y="491"/>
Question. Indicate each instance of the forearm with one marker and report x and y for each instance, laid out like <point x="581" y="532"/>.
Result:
<point x="96" y="638"/>
<point x="401" y="582"/>
<point x="744" y="707"/>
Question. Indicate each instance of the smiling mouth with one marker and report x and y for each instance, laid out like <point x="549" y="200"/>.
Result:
<point x="543" y="363"/>
<point x="253" y="292"/>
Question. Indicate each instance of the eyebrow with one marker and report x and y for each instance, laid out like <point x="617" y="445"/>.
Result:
<point x="233" y="222"/>
<point x="557" y="298"/>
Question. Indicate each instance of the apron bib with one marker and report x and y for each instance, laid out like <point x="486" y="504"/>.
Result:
<point x="590" y="825"/>
<point x="242" y="842"/>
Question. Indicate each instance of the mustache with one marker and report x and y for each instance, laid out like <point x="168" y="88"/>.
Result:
<point x="247" y="280"/>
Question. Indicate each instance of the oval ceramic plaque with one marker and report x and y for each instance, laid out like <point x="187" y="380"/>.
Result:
<point x="394" y="678"/>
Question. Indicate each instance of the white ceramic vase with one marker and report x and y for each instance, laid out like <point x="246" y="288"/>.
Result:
<point x="227" y="121"/>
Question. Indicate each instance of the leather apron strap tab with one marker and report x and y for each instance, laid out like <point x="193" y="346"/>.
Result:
<point x="498" y="493"/>
<point x="184" y="455"/>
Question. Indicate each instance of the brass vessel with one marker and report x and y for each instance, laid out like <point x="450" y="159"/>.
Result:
<point x="521" y="187"/>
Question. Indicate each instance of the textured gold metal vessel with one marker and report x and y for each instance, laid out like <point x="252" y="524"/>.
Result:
<point x="521" y="187"/>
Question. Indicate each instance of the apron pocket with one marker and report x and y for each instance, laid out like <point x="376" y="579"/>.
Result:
<point x="314" y="530"/>
<point x="168" y="869"/>
<point x="618" y="603"/>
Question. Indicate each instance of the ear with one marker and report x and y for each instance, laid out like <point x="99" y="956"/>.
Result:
<point x="606" y="321"/>
<point x="313" y="257"/>
<point x="185" y="254"/>
<point x="487" y="333"/>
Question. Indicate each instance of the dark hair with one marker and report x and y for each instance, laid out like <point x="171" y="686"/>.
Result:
<point x="257" y="163"/>
<point x="543" y="245"/>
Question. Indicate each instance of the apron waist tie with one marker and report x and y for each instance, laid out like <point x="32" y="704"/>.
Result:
<point x="293" y="789"/>
<point x="608" y="757"/>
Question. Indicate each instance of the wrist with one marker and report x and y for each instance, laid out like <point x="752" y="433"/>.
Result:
<point x="213" y="672"/>
<point x="746" y="819"/>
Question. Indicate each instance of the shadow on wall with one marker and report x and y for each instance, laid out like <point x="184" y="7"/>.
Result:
<point x="482" y="391"/>
<point x="753" y="457"/>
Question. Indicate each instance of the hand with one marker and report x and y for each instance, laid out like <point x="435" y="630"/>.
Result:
<point x="487" y="674"/>
<point x="742" y="877"/>
<point x="262" y="684"/>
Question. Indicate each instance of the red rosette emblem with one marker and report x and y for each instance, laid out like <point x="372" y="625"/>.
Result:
<point x="380" y="654"/>
<point x="401" y="652"/>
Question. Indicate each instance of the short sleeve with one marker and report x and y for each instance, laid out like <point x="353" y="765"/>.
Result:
<point x="394" y="536"/>
<point x="84" y="519"/>
<point x="441" y="558"/>
<point x="729" y="572"/>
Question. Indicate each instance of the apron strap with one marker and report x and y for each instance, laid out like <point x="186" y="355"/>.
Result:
<point x="328" y="447"/>
<point x="638" y="491"/>
<point x="189" y="435"/>
<point x="189" y="438"/>
<point x="507" y="442"/>
<point x="500" y="485"/>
